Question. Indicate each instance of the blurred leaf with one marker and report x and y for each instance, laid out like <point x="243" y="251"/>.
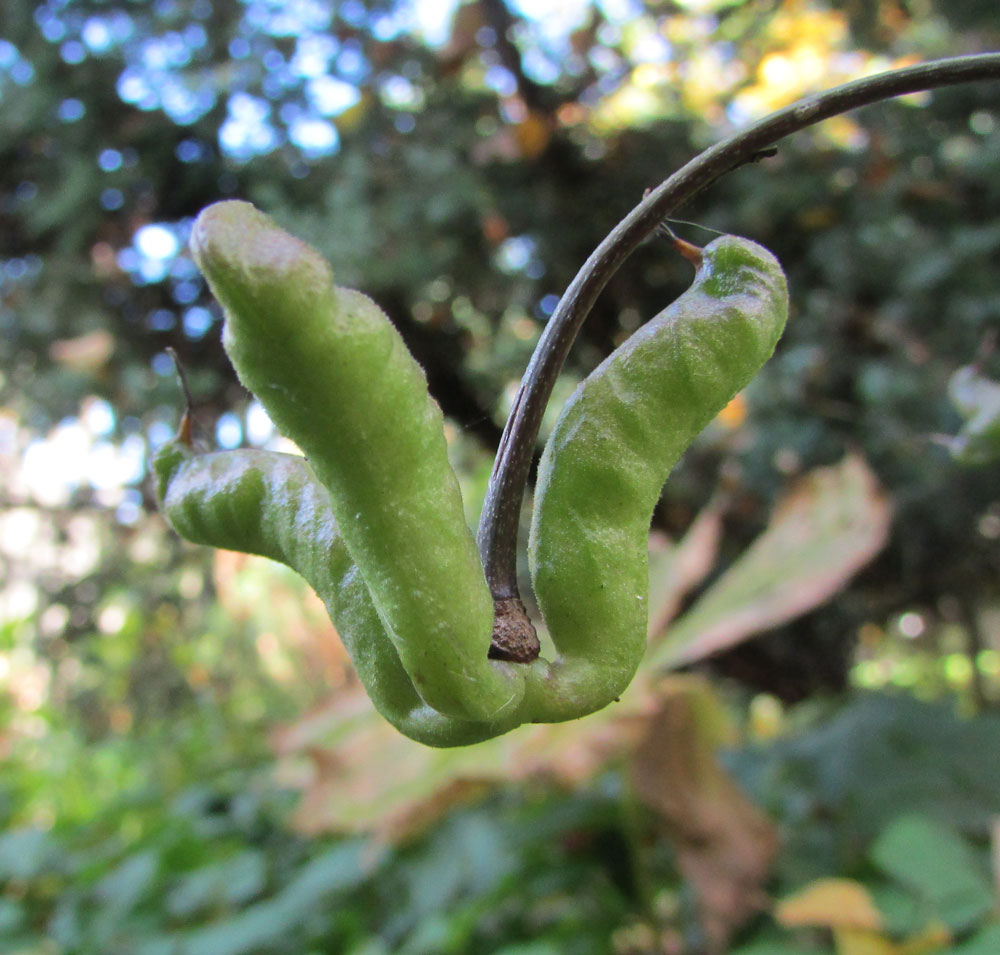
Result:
<point x="11" y="916"/>
<point x="230" y="882"/>
<point x="88" y="352"/>
<point x="334" y="872"/>
<point x="881" y="756"/>
<point x="934" y="862"/>
<point x="927" y="941"/>
<point x="725" y="845"/>
<point x="830" y="903"/>
<point x="977" y="399"/>
<point x="122" y="888"/>
<point x="985" y="942"/>
<point x="674" y="569"/>
<point x="776" y="948"/>
<point x="828" y="526"/>
<point x="26" y="853"/>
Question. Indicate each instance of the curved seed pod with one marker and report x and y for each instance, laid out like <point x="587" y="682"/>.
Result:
<point x="373" y="520"/>
<point x="615" y="442"/>
<point x="335" y="376"/>
<point x="262" y="502"/>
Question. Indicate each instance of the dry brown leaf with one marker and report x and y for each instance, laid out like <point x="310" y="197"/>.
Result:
<point x="87" y="352"/>
<point x="289" y="619"/>
<point x="675" y="569"/>
<point x="825" y="529"/>
<point x="725" y="844"/>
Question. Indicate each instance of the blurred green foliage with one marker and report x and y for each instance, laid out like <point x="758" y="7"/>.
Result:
<point x="210" y="867"/>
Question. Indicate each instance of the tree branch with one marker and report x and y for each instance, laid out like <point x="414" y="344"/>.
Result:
<point x="498" y="524"/>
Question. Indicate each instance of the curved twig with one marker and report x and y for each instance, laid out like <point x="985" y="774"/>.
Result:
<point x="498" y="524"/>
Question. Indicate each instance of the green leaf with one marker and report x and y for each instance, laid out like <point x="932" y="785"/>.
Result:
<point x="122" y="888"/>
<point x="986" y="942"/>
<point x="230" y="882"/>
<point x="337" y="871"/>
<point x="934" y="862"/>
<point x="11" y="916"/>
<point x="26" y="853"/>
<point x="777" y="948"/>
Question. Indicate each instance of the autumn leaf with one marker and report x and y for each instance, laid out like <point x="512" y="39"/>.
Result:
<point x="825" y="529"/>
<point x="725" y="845"/>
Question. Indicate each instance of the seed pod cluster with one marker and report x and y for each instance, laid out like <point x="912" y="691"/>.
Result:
<point x="372" y="516"/>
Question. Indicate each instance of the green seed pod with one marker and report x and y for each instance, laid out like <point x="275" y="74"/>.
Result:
<point x="373" y="519"/>
<point x="613" y="446"/>
<point x="261" y="502"/>
<point x="335" y="376"/>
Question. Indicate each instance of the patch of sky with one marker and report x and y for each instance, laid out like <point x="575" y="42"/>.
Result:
<point x="190" y="150"/>
<point x="183" y="268"/>
<point x="21" y="269"/>
<point x="247" y="131"/>
<point x="134" y="87"/>
<point x="110" y="466"/>
<point x="96" y="34"/>
<point x="73" y="52"/>
<point x="398" y="92"/>
<point x="352" y="12"/>
<point x="69" y="456"/>
<point x="259" y="426"/>
<point x="163" y="365"/>
<point x="515" y="253"/>
<point x="98" y="416"/>
<point x="281" y="18"/>
<point x="166" y="52"/>
<point x="156" y="241"/>
<point x="433" y="18"/>
<point x="9" y="55"/>
<point x="184" y="293"/>
<point x="539" y="66"/>
<point x="71" y="110"/>
<point x="112" y="199"/>
<point x="109" y="160"/>
<point x="552" y="20"/>
<point x="161" y="320"/>
<point x="229" y="430"/>
<point x="314" y="136"/>
<point x="500" y="80"/>
<point x="158" y="434"/>
<point x="313" y="54"/>
<point x="388" y="26"/>
<point x="620" y="11"/>
<point x="197" y="321"/>
<point x="605" y="60"/>
<point x="185" y="105"/>
<point x="351" y="63"/>
<point x="548" y="304"/>
<point x="195" y="36"/>
<point x="150" y="256"/>
<point x="22" y="72"/>
<point x="330" y="96"/>
<point x="650" y="47"/>
<point x="52" y="29"/>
